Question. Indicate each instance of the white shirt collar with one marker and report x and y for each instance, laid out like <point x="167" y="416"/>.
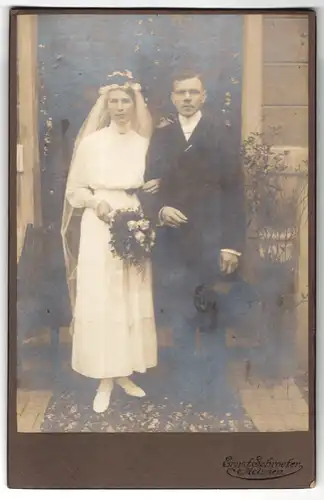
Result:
<point x="188" y="124"/>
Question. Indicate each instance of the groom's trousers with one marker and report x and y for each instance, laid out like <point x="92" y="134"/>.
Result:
<point x="197" y="360"/>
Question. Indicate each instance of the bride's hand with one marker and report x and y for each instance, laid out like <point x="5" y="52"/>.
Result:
<point x="152" y="186"/>
<point x="103" y="210"/>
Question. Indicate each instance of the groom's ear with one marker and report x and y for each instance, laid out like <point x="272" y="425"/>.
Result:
<point x="204" y="96"/>
<point x="172" y="96"/>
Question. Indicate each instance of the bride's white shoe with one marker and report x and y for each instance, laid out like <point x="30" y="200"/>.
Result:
<point x="130" y="388"/>
<point x="102" y="398"/>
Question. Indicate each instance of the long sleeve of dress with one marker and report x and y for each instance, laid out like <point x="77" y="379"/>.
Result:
<point x="155" y="168"/>
<point x="78" y="191"/>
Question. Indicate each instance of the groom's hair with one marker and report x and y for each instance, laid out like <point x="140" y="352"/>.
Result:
<point x="186" y="74"/>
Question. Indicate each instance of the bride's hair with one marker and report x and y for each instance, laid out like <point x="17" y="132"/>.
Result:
<point x="128" y="90"/>
<point x="121" y="81"/>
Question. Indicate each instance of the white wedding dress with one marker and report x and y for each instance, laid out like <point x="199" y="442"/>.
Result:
<point x="114" y="329"/>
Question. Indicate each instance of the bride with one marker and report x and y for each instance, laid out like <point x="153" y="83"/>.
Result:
<point x="113" y="324"/>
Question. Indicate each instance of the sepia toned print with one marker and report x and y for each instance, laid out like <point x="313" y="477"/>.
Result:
<point x="162" y="223"/>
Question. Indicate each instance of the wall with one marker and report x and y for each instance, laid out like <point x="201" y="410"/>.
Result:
<point x="275" y="96"/>
<point x="285" y="104"/>
<point x="28" y="171"/>
<point x="285" y="79"/>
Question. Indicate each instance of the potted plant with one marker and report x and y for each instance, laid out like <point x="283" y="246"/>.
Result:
<point x="275" y="199"/>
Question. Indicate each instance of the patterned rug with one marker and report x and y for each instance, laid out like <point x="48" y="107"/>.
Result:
<point x="72" y="412"/>
<point x="189" y="391"/>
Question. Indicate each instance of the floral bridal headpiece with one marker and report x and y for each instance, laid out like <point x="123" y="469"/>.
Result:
<point x="120" y="80"/>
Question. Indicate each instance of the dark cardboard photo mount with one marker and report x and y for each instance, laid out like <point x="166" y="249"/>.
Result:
<point x="154" y="460"/>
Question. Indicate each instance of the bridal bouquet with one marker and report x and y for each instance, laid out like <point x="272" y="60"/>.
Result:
<point x="132" y="237"/>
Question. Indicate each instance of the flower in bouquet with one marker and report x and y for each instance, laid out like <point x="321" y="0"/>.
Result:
<point x="132" y="237"/>
<point x="132" y="224"/>
<point x="140" y="237"/>
<point x="144" y="224"/>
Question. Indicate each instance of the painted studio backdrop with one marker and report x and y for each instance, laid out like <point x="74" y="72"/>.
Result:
<point x="70" y="57"/>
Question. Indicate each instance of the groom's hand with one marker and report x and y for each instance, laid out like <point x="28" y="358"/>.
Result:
<point x="172" y="217"/>
<point x="228" y="262"/>
<point x="152" y="186"/>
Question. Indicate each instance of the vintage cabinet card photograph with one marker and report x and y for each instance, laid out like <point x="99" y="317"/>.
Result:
<point x="162" y="292"/>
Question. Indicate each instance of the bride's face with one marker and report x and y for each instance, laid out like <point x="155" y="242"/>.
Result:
<point x="120" y="106"/>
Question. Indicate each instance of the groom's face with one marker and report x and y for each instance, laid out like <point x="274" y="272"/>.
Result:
<point x="188" y="96"/>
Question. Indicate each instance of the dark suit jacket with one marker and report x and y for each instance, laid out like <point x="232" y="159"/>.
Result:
<point x="203" y="178"/>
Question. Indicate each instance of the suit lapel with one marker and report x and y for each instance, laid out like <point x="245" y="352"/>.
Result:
<point x="200" y="141"/>
<point x="199" y="133"/>
<point x="178" y="135"/>
<point x="179" y="139"/>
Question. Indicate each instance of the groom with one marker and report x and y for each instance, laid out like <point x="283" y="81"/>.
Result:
<point x="195" y="181"/>
<point x="197" y="190"/>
